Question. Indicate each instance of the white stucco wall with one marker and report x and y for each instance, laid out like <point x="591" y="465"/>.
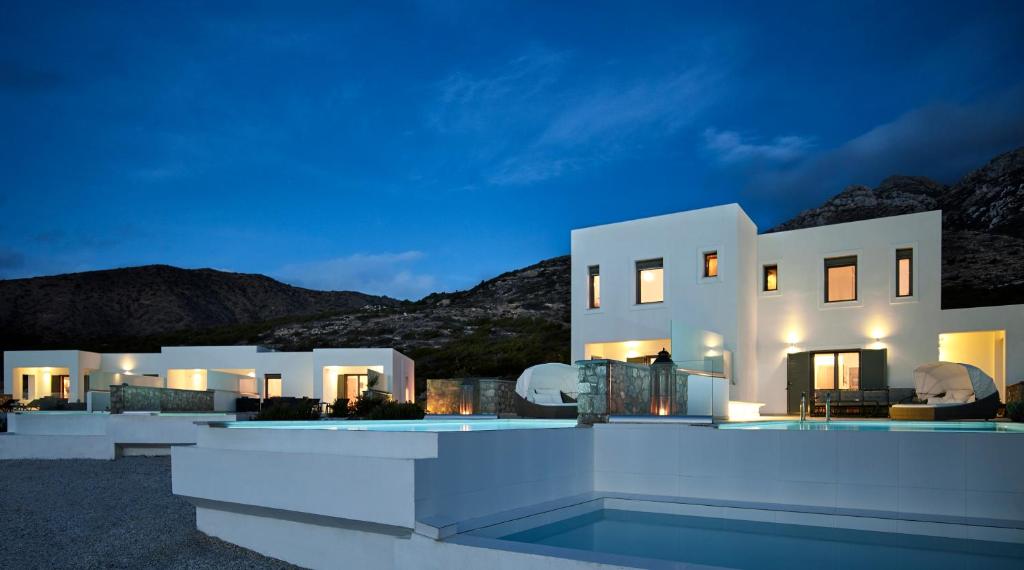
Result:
<point x="301" y="372"/>
<point x="761" y="328"/>
<point x="721" y="304"/>
<point x="797" y="314"/>
<point x="77" y="362"/>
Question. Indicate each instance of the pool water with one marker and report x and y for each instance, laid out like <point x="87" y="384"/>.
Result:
<point x="742" y="544"/>
<point x="406" y="425"/>
<point x="880" y="425"/>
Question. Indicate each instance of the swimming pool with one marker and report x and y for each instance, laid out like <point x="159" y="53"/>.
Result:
<point x="426" y="425"/>
<point x="743" y="544"/>
<point x="880" y="425"/>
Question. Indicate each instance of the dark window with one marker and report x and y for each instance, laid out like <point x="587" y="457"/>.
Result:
<point x="711" y="264"/>
<point x="841" y="279"/>
<point x="25" y="379"/>
<point x="904" y="272"/>
<point x="594" y="286"/>
<point x="650" y="281"/>
<point x="771" y="278"/>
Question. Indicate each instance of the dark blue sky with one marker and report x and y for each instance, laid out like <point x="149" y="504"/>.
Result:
<point x="402" y="148"/>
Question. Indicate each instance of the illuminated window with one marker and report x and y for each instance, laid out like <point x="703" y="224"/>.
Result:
<point x="594" y="278"/>
<point x="650" y="281"/>
<point x="711" y="264"/>
<point x="837" y="370"/>
<point x="273" y="386"/>
<point x="771" y="278"/>
<point x="841" y="279"/>
<point x="904" y="272"/>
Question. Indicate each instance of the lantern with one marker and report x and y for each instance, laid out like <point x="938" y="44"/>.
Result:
<point x="662" y="384"/>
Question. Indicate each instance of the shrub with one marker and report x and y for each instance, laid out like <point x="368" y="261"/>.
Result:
<point x="390" y="410"/>
<point x="49" y="403"/>
<point x="284" y="410"/>
<point x="365" y="405"/>
<point x="1015" y="411"/>
<point x="340" y="408"/>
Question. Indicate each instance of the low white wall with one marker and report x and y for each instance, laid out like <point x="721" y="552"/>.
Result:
<point x="906" y="474"/>
<point x="43" y="435"/>
<point x="224" y="401"/>
<point x="370" y="489"/>
<point x="478" y="473"/>
<point x="97" y="401"/>
<point x="15" y="446"/>
<point x="47" y="423"/>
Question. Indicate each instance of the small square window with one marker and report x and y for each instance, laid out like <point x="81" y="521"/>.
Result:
<point x="594" y="286"/>
<point x="771" y="278"/>
<point x="841" y="279"/>
<point x="650" y="281"/>
<point x="711" y="264"/>
<point x="904" y="272"/>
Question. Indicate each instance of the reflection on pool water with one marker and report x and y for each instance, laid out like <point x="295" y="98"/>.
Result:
<point x="879" y="425"/>
<point x="426" y="425"/>
<point x="743" y="544"/>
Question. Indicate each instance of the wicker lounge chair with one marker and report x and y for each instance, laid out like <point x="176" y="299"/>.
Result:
<point x="943" y="385"/>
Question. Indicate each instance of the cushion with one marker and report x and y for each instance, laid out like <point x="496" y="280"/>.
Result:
<point x="547" y="396"/>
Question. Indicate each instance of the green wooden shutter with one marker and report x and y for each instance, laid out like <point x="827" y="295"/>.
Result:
<point x="873" y="370"/>
<point x="798" y="380"/>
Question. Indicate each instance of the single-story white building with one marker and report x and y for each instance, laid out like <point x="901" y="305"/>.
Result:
<point x="841" y="307"/>
<point x="230" y="371"/>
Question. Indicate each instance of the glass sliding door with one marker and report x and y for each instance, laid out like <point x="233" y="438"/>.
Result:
<point x="837" y="370"/>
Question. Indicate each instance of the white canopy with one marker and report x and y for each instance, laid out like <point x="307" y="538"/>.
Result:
<point x="955" y="380"/>
<point x="551" y="376"/>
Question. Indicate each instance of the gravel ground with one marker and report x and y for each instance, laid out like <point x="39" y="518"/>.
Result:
<point x="105" y="514"/>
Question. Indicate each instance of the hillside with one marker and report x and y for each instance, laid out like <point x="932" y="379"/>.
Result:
<point x="982" y="226"/>
<point x="499" y="327"/>
<point x="152" y="300"/>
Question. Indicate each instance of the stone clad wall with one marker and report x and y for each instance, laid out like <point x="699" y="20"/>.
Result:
<point x="611" y="387"/>
<point x="592" y="388"/>
<point x="490" y="395"/>
<point x="494" y="396"/>
<point x="443" y="395"/>
<point x="629" y="390"/>
<point x="128" y="398"/>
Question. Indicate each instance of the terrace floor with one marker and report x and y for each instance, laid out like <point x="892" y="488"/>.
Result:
<point x="106" y="514"/>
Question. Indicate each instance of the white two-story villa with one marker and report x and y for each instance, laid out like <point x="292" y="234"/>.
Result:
<point x="852" y="306"/>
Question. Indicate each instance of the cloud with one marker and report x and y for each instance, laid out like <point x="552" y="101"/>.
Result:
<point x="730" y="147"/>
<point x="942" y="141"/>
<point x="664" y="103"/>
<point x="390" y="274"/>
<point x="539" y="117"/>
<point x="468" y="103"/>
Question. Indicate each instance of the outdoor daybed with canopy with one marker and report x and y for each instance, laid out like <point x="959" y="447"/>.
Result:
<point x="953" y="391"/>
<point x="547" y="391"/>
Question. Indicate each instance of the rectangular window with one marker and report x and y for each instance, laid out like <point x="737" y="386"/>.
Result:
<point x="904" y="272"/>
<point x="25" y="380"/>
<point x="841" y="279"/>
<point x="771" y="278"/>
<point x="272" y="387"/>
<point x="650" y="281"/>
<point x="594" y="279"/>
<point x="837" y="370"/>
<point x="711" y="264"/>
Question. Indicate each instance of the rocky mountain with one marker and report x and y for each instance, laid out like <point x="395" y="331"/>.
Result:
<point x="499" y="327"/>
<point x="153" y="300"/>
<point x="982" y="226"/>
